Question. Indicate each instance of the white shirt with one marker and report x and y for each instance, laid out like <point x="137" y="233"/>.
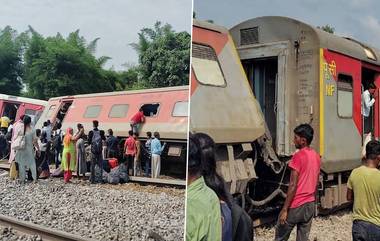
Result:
<point x="10" y="127"/>
<point x="41" y="145"/>
<point x="47" y="129"/>
<point x="367" y="103"/>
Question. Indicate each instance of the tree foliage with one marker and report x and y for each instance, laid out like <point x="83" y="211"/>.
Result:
<point x="56" y="66"/>
<point x="327" y="28"/>
<point x="44" y="67"/>
<point x="11" y="70"/>
<point x="164" y="56"/>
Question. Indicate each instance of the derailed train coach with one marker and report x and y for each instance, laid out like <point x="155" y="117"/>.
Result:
<point x="14" y="107"/>
<point x="165" y="110"/>
<point x="288" y="73"/>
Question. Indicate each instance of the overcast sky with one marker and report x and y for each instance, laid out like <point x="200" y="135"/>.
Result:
<point x="115" y="22"/>
<point x="353" y="18"/>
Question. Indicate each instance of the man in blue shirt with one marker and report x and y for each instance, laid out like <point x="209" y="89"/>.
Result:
<point x="156" y="150"/>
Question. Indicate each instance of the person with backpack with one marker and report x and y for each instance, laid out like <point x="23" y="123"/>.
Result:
<point x="203" y="214"/>
<point x="236" y="223"/>
<point x="56" y="144"/>
<point x="112" y="145"/>
<point x="17" y="127"/>
<point x="96" y="149"/>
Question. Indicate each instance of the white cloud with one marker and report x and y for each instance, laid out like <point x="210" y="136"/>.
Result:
<point x="360" y="3"/>
<point x="372" y="27"/>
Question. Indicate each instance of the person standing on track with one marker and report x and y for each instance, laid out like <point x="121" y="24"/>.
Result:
<point x="25" y="155"/>
<point x="17" y="127"/>
<point x="69" y="158"/>
<point x="130" y="151"/>
<point x="96" y="150"/>
<point x="363" y="188"/>
<point x="137" y="160"/>
<point x="156" y="150"/>
<point x="299" y="206"/>
<point x="148" y="154"/>
<point x="80" y="152"/>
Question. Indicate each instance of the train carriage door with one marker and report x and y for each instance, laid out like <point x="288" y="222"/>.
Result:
<point x="265" y="69"/>
<point x="370" y="125"/>
<point x="62" y="111"/>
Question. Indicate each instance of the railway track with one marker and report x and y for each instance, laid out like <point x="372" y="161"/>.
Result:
<point x="47" y="234"/>
<point x="147" y="180"/>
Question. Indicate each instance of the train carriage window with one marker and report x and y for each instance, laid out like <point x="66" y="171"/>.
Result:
<point x="345" y="102"/>
<point x="51" y="111"/>
<point x="206" y="66"/>
<point x="32" y="114"/>
<point x="10" y="110"/>
<point x="118" y="111"/>
<point x="92" y="111"/>
<point x="181" y="109"/>
<point x="150" y="110"/>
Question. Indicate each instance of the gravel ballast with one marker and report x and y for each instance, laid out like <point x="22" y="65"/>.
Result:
<point x="335" y="227"/>
<point x="102" y="212"/>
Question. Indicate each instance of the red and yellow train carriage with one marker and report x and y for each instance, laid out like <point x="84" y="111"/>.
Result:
<point x="253" y="84"/>
<point x="165" y="109"/>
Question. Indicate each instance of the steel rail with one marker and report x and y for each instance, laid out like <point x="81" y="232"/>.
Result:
<point x="45" y="233"/>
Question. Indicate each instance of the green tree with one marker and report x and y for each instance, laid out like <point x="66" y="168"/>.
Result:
<point x="164" y="57"/>
<point x="327" y="28"/>
<point x="11" y="69"/>
<point x="56" y="66"/>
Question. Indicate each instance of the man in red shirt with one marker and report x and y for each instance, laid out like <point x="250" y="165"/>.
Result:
<point x="137" y="120"/>
<point x="130" y="150"/>
<point x="299" y="206"/>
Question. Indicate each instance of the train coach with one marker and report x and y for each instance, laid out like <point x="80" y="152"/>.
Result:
<point x="165" y="110"/>
<point x="268" y="75"/>
<point x="13" y="107"/>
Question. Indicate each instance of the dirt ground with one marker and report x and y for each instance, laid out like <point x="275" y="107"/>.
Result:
<point x="335" y="227"/>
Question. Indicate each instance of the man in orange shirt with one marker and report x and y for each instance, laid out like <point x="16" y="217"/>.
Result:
<point x="137" y="120"/>
<point x="130" y="151"/>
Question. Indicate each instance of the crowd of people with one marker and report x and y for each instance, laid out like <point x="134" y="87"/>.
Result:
<point x="211" y="212"/>
<point x="32" y="150"/>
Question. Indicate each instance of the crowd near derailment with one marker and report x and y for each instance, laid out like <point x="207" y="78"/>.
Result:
<point x="31" y="150"/>
<point x="208" y="199"/>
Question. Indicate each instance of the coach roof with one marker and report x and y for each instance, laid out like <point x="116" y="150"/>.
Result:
<point x="129" y="92"/>
<point x="282" y="28"/>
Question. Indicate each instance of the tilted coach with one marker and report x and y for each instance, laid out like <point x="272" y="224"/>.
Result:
<point x="165" y="110"/>
<point x="267" y="75"/>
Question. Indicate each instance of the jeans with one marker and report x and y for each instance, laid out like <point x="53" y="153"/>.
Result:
<point x="148" y="161"/>
<point x="301" y="216"/>
<point x="129" y="162"/>
<point x="96" y="160"/>
<point x="365" y="231"/>
<point x="57" y="153"/>
<point x="135" y="127"/>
